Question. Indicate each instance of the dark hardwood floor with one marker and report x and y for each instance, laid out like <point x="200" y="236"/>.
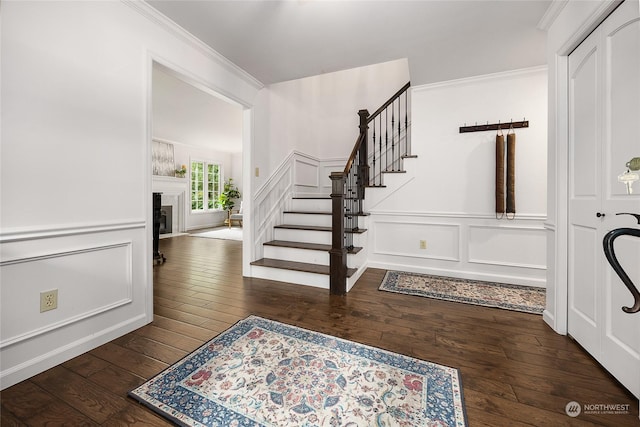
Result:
<point x="515" y="370"/>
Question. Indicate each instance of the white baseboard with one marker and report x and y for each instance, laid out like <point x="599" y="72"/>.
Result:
<point x="60" y="355"/>
<point x="458" y="274"/>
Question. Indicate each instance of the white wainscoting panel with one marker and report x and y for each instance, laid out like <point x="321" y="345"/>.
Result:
<point x="311" y="175"/>
<point x="305" y="172"/>
<point x="101" y="274"/>
<point x="514" y="246"/>
<point x="463" y="245"/>
<point x="269" y="202"/>
<point x="403" y="239"/>
<point x="89" y="281"/>
<point x="327" y="167"/>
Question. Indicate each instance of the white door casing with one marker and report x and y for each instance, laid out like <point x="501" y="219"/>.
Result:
<point x="604" y="134"/>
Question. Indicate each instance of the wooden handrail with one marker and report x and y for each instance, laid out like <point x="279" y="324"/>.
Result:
<point x="352" y="157"/>
<point x="369" y="119"/>
<point x="386" y="104"/>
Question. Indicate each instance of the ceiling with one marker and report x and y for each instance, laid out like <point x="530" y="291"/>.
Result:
<point x="188" y="115"/>
<point x="276" y="41"/>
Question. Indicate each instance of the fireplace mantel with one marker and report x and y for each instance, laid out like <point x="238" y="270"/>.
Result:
<point x="174" y="193"/>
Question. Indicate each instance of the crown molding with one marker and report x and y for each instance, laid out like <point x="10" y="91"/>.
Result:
<point x="484" y="77"/>
<point x="551" y="14"/>
<point x="153" y="15"/>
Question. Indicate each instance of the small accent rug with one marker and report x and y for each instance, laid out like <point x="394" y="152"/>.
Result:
<point x="226" y="233"/>
<point x="528" y="299"/>
<point x="264" y="373"/>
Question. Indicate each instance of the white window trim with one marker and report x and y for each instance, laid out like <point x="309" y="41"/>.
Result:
<point x="220" y="185"/>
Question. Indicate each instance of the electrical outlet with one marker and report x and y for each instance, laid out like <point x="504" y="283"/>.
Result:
<point x="423" y="244"/>
<point x="48" y="300"/>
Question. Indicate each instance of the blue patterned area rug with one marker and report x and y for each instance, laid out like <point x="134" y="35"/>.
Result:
<point x="527" y="299"/>
<point x="264" y="373"/>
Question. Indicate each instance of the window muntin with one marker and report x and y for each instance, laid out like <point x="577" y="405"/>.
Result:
<point x="205" y="186"/>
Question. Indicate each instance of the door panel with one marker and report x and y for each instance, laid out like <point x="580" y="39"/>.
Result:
<point x="621" y="331"/>
<point x="584" y="91"/>
<point x="623" y="140"/>
<point x="584" y="194"/>
<point x="604" y="134"/>
<point x="584" y="300"/>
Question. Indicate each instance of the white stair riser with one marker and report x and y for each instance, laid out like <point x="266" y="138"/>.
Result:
<point x="311" y="205"/>
<point x="309" y="256"/>
<point x="291" y="276"/>
<point x="353" y="279"/>
<point x="306" y="236"/>
<point x="308" y="219"/>
<point x="309" y="236"/>
<point x="298" y="255"/>
<point x="355" y="260"/>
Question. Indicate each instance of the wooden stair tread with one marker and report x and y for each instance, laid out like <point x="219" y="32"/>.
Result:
<point x="409" y="156"/>
<point x="312" y="197"/>
<point x="305" y="245"/>
<point x="324" y="213"/>
<point x="394" y="171"/>
<point x="315" y="228"/>
<point x="298" y="266"/>
<point x="308" y="212"/>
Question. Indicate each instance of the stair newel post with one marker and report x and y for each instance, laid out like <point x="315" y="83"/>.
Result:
<point x="363" y="166"/>
<point x="338" y="253"/>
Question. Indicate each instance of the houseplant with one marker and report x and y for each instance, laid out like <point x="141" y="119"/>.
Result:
<point x="229" y="194"/>
<point x="181" y="172"/>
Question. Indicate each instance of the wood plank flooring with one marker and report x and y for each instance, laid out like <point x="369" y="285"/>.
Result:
<point x="515" y="370"/>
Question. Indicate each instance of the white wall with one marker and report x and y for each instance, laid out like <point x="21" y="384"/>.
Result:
<point x="235" y="171"/>
<point x="75" y="170"/>
<point x="447" y="196"/>
<point x="319" y="115"/>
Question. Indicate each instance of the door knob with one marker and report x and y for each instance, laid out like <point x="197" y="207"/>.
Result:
<point x="600" y="214"/>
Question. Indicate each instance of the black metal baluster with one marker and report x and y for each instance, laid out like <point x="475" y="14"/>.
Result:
<point x="399" y="133"/>
<point x="393" y="140"/>
<point x="407" y="149"/>
<point x="374" y="154"/>
<point x="386" y="139"/>
<point x="379" y="151"/>
<point x="355" y="178"/>
<point x="401" y="150"/>
<point x="347" y="204"/>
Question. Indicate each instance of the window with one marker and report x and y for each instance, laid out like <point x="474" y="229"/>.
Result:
<point x="205" y="186"/>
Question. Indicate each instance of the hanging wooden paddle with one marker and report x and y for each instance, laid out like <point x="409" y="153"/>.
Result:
<point x="499" y="174"/>
<point x="511" y="174"/>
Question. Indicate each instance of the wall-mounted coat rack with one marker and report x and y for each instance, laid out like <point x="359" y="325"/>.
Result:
<point x="495" y="126"/>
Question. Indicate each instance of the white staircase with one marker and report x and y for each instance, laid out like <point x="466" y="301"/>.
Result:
<point x="299" y="252"/>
